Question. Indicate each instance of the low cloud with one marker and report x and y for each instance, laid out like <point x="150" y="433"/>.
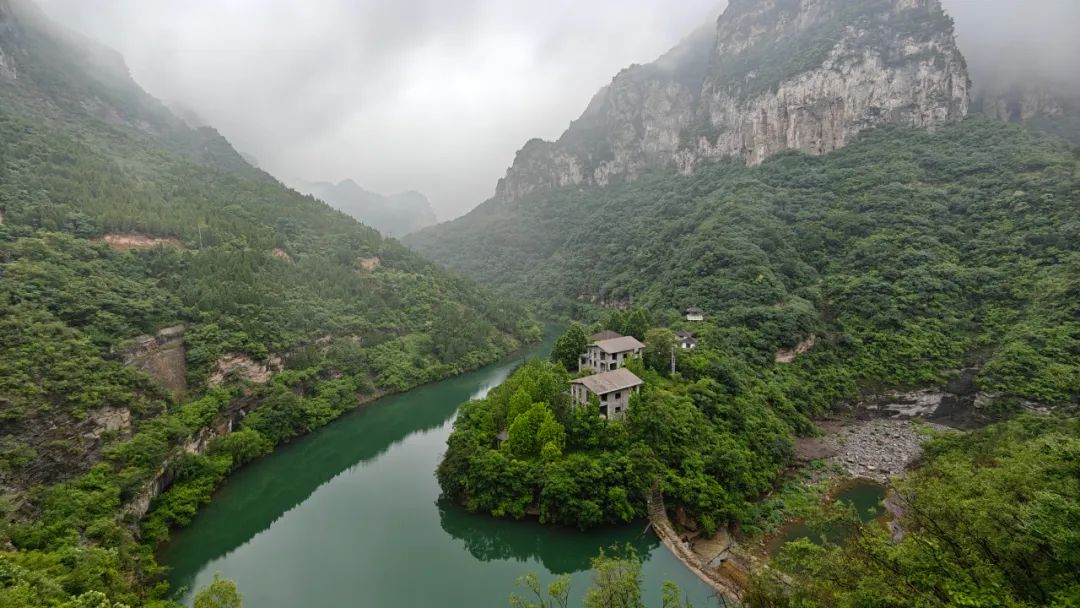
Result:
<point x="416" y="94"/>
<point x="437" y="96"/>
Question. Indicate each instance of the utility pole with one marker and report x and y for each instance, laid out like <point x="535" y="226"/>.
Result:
<point x="673" y="359"/>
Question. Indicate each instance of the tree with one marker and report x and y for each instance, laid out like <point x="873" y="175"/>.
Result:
<point x="636" y="323"/>
<point x="569" y="346"/>
<point x="221" y="593"/>
<point x="616" y="321"/>
<point x="659" y="344"/>
<point x="989" y="519"/>
<point x="616" y="582"/>
<point x="532" y="431"/>
<point x="558" y="593"/>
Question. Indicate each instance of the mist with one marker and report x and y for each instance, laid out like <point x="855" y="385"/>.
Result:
<point x="409" y="95"/>
<point x="438" y="96"/>
<point x="1009" y="42"/>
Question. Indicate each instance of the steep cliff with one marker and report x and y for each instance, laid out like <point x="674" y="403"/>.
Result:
<point x="1052" y="107"/>
<point x="770" y="75"/>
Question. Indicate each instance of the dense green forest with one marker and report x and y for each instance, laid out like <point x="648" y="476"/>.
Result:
<point x="907" y="253"/>
<point x="715" y="436"/>
<point x="990" y="518"/>
<point x="246" y="267"/>
<point x="906" y="256"/>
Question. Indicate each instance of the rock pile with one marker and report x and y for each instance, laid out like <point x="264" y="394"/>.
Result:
<point x="877" y="449"/>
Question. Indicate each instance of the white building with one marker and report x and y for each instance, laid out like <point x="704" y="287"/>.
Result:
<point x="613" y="389"/>
<point x="610" y="354"/>
<point x="687" y="341"/>
<point x="695" y="314"/>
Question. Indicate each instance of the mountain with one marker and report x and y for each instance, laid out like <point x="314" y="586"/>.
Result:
<point x="928" y="243"/>
<point x="394" y="215"/>
<point x="1038" y="102"/>
<point x="168" y="312"/>
<point x="770" y="75"/>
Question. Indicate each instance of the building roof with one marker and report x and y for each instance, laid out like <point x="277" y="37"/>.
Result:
<point x="607" y="334"/>
<point x="694" y="311"/>
<point x="619" y="345"/>
<point x="682" y="333"/>
<point x="608" y="382"/>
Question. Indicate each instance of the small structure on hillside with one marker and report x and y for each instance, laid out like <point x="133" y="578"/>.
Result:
<point x="687" y="341"/>
<point x="695" y="314"/>
<point x="613" y="389"/>
<point x="610" y="354"/>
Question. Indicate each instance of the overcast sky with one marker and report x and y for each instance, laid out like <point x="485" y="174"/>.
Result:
<point x="428" y="95"/>
<point x="431" y="95"/>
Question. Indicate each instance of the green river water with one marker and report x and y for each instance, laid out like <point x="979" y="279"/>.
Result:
<point x="350" y="516"/>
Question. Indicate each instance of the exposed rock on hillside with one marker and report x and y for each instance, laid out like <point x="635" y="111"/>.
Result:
<point x="243" y="368"/>
<point x="140" y="241"/>
<point x="787" y="355"/>
<point x="162" y="357"/>
<point x="771" y="75"/>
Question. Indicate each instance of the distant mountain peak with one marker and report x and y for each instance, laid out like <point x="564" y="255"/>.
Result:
<point x="394" y="214"/>
<point x="768" y="76"/>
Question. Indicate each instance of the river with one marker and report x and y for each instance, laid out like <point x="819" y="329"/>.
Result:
<point x="350" y="516"/>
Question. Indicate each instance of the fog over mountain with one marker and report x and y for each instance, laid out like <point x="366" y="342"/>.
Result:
<point x="437" y="97"/>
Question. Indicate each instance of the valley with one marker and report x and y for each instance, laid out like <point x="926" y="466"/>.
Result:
<point x="788" y="317"/>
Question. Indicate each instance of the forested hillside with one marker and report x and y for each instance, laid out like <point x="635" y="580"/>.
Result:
<point x="124" y="233"/>
<point x="989" y="519"/>
<point x="908" y="253"/>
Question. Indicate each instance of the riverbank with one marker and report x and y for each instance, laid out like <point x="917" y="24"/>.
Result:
<point x="141" y="507"/>
<point x="866" y="444"/>
<point x="317" y="523"/>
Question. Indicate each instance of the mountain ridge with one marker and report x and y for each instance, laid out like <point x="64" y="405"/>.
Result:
<point x="392" y="214"/>
<point x="838" y="70"/>
<point x="169" y="312"/>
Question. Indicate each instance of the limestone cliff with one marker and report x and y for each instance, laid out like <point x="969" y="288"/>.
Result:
<point x="771" y="75"/>
<point x="1052" y="107"/>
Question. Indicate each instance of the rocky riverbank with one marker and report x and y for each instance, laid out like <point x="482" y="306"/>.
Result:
<point x="877" y="448"/>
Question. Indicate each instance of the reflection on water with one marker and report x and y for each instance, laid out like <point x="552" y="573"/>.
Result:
<point x="864" y="495"/>
<point x="488" y="539"/>
<point x="349" y="516"/>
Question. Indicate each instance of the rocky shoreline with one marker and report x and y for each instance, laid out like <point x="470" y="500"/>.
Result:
<point x="876" y="438"/>
<point x="876" y="449"/>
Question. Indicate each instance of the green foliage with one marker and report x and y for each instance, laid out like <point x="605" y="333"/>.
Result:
<point x="634" y="322"/>
<point x="713" y="451"/>
<point x="990" y="519"/>
<point x="907" y="253"/>
<point x="536" y="431"/>
<point x="616" y="584"/>
<point x="659" y="345"/>
<point x="569" y="346"/>
<point x="248" y="266"/>
<point x="221" y="593"/>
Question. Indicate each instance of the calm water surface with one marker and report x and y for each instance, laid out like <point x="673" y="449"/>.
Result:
<point x="350" y="516"/>
<point x="863" y="494"/>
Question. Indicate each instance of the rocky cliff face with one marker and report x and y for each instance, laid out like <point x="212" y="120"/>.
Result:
<point x="162" y="357"/>
<point x="771" y="75"/>
<point x="1022" y="103"/>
